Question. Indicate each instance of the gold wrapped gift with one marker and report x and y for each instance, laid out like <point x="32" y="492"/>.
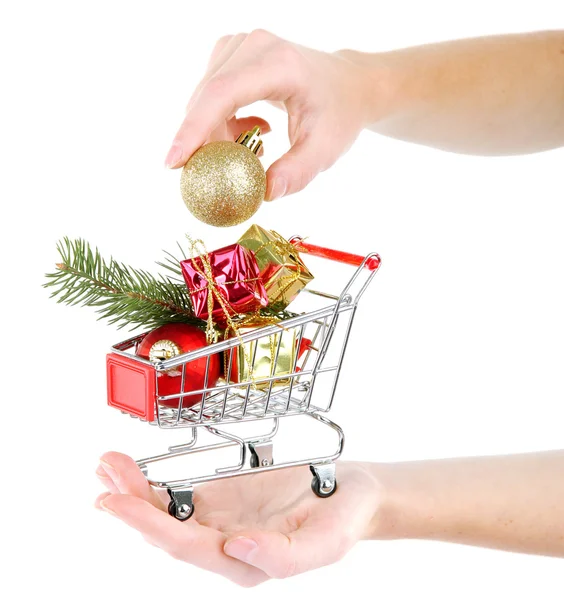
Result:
<point x="281" y="270"/>
<point x="259" y="359"/>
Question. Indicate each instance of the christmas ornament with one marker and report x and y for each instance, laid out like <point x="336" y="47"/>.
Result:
<point x="172" y="340"/>
<point x="223" y="283"/>
<point x="224" y="183"/>
<point x="280" y="267"/>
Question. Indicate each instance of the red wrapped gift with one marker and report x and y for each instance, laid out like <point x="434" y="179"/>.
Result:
<point x="231" y="276"/>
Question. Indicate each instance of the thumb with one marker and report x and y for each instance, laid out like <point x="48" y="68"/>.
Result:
<point x="127" y="478"/>
<point x="280" y="555"/>
<point x="299" y="166"/>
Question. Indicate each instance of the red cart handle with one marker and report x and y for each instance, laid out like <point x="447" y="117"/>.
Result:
<point x="356" y="260"/>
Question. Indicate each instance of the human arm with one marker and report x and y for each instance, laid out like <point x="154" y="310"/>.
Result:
<point x="513" y="502"/>
<point x="270" y="525"/>
<point x="491" y="95"/>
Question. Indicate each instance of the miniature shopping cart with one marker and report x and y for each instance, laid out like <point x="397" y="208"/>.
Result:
<point x="306" y="387"/>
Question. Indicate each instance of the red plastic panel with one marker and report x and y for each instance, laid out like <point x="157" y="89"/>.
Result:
<point x="131" y="386"/>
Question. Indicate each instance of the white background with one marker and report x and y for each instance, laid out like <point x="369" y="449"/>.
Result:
<point x="457" y="349"/>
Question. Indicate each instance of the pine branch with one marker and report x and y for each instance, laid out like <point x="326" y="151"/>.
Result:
<point x="172" y="263"/>
<point x="121" y="294"/>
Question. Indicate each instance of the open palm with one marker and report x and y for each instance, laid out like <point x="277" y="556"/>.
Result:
<point x="249" y="528"/>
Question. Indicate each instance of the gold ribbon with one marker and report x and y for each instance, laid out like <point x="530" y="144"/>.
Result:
<point x="198" y="247"/>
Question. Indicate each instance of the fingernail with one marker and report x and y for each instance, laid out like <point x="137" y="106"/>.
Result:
<point x="241" y="548"/>
<point x="105" y="508"/>
<point x="101" y="472"/>
<point x="278" y="188"/>
<point x="174" y="156"/>
<point x="110" y="471"/>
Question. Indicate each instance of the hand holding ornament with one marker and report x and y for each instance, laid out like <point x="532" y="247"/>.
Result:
<point x="324" y="95"/>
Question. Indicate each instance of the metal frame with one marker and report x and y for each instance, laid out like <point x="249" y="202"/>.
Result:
<point x="272" y="397"/>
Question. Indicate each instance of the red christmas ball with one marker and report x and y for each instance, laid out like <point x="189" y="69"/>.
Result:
<point x="174" y="339"/>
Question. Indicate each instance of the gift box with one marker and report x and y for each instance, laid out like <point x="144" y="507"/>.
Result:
<point x="258" y="359"/>
<point x="280" y="268"/>
<point x="227" y="280"/>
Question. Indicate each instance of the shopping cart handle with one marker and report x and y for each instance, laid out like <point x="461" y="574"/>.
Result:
<point x="371" y="264"/>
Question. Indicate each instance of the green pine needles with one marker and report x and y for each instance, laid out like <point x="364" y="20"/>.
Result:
<point x="121" y="294"/>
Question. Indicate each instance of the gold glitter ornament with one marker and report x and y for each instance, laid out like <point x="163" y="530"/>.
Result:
<point x="224" y="183"/>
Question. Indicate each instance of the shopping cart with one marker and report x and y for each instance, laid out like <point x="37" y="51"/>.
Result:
<point x="304" y="387"/>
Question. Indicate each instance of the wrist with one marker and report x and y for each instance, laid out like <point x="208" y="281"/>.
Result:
<point x="401" y="505"/>
<point x="378" y="84"/>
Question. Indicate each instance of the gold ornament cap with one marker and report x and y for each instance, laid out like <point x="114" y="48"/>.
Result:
<point x="163" y="350"/>
<point x="224" y="183"/>
<point x="251" y="140"/>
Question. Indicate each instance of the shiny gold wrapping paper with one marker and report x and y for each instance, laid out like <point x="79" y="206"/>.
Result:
<point x="281" y="270"/>
<point x="265" y="364"/>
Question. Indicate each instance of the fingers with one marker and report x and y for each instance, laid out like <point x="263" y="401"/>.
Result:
<point x="280" y="555"/>
<point x="189" y="541"/>
<point x="217" y="102"/>
<point x="125" y="477"/>
<point x="99" y="499"/>
<point x="294" y="170"/>
<point x="223" y="50"/>
<point x="106" y="480"/>
<point x="247" y="123"/>
<point x="252" y="72"/>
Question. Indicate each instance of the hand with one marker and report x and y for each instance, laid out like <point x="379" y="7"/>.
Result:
<point x="326" y="96"/>
<point x="250" y="528"/>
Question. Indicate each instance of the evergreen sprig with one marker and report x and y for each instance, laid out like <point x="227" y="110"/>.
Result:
<point x="123" y="295"/>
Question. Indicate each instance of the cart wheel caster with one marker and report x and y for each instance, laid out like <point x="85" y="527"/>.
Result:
<point x="323" y="489"/>
<point x="324" y="482"/>
<point x="181" y="505"/>
<point x="260" y="454"/>
<point x="182" y="512"/>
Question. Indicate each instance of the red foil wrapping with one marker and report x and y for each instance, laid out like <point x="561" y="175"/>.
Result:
<point x="235" y="276"/>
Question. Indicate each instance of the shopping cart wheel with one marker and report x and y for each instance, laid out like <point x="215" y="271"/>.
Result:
<point x="181" y="505"/>
<point x="324" y="482"/>
<point x="261" y="454"/>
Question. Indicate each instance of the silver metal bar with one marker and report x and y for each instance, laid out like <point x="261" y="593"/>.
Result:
<point x="253" y="383"/>
<point x="228" y="378"/>
<point x="251" y="336"/>
<point x="221" y="388"/>
<point x="181" y="447"/>
<point x="236" y="439"/>
<point x="326" y="338"/>
<point x="238" y="473"/>
<point x="317" y="293"/>
<point x="203" y="403"/>
<point x="341" y="356"/>
<point x="298" y="345"/>
<point x="273" y="371"/>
